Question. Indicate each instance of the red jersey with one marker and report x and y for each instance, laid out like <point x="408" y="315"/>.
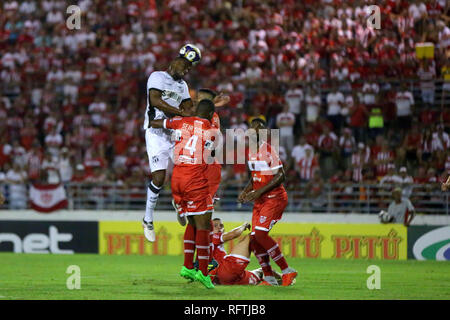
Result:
<point x="215" y="121"/>
<point x="261" y="166"/>
<point x="218" y="252"/>
<point x="194" y="139"/>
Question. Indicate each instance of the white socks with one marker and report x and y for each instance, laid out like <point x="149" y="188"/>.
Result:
<point x="152" y="199"/>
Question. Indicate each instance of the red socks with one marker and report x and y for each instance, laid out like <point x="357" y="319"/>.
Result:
<point x="271" y="247"/>
<point x="189" y="246"/>
<point x="262" y="256"/>
<point x="202" y="242"/>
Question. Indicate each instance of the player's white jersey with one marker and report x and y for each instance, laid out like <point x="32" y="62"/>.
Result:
<point x="173" y="92"/>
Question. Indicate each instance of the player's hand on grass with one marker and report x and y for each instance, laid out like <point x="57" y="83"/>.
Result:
<point x="221" y="100"/>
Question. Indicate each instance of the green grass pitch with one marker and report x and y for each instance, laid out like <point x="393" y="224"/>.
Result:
<point x="27" y="276"/>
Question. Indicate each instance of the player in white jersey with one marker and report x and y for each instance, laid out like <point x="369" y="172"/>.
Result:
<point x="167" y="96"/>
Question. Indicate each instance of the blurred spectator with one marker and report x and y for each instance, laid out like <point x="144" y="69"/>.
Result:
<point x="65" y="166"/>
<point x="294" y="98"/>
<point x="335" y="102"/>
<point x="285" y="122"/>
<point x="404" y="102"/>
<point x="313" y="103"/>
<point x="307" y="165"/>
<point x="16" y="179"/>
<point x="427" y="74"/>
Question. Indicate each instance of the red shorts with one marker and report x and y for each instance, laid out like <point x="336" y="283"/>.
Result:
<point x="231" y="271"/>
<point x="214" y="175"/>
<point x="268" y="211"/>
<point x="190" y="191"/>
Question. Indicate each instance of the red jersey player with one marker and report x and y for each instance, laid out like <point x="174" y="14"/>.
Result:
<point x="190" y="188"/>
<point x="231" y="268"/>
<point x="266" y="190"/>
<point x="213" y="171"/>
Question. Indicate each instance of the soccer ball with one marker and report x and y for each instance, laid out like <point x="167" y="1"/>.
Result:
<point x="384" y="216"/>
<point x="190" y="53"/>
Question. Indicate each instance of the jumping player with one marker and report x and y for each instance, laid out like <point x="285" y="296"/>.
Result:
<point x="231" y="268"/>
<point x="167" y="96"/>
<point x="190" y="188"/>
<point x="266" y="190"/>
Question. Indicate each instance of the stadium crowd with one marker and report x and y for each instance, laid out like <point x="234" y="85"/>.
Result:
<point x="353" y="104"/>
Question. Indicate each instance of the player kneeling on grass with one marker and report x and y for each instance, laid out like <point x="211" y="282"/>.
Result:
<point x="400" y="210"/>
<point x="190" y="188"/>
<point x="231" y="267"/>
<point x="266" y="190"/>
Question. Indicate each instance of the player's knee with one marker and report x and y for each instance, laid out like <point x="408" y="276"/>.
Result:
<point x="158" y="178"/>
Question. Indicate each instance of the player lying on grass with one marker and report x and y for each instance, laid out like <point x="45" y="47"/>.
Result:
<point x="231" y="267"/>
<point x="270" y="199"/>
<point x="213" y="171"/>
<point x="190" y="188"/>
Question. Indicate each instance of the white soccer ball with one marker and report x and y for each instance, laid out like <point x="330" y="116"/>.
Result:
<point x="190" y="53"/>
<point x="384" y="216"/>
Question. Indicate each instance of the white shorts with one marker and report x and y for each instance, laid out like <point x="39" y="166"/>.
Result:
<point x="159" y="150"/>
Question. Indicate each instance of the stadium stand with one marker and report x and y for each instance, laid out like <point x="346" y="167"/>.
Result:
<point x="360" y="99"/>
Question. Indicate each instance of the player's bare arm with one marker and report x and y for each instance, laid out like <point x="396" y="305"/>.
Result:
<point x="446" y="184"/>
<point x="221" y="100"/>
<point x="235" y="233"/>
<point x="187" y="107"/>
<point x="278" y="178"/>
<point x="247" y="189"/>
<point x="157" y="124"/>
<point x="155" y="97"/>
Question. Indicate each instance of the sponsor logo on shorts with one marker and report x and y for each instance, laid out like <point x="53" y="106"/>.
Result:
<point x="155" y="159"/>
<point x="433" y="245"/>
<point x="190" y="204"/>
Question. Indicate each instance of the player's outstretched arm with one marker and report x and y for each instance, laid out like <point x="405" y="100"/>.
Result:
<point x="278" y="178"/>
<point x="157" y="102"/>
<point x="247" y="189"/>
<point x="235" y="233"/>
<point x="446" y="184"/>
<point x="221" y="100"/>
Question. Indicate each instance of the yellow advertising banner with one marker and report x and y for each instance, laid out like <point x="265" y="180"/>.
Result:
<point x="304" y="240"/>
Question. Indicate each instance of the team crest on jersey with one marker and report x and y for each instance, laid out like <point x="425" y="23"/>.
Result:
<point x="262" y="219"/>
